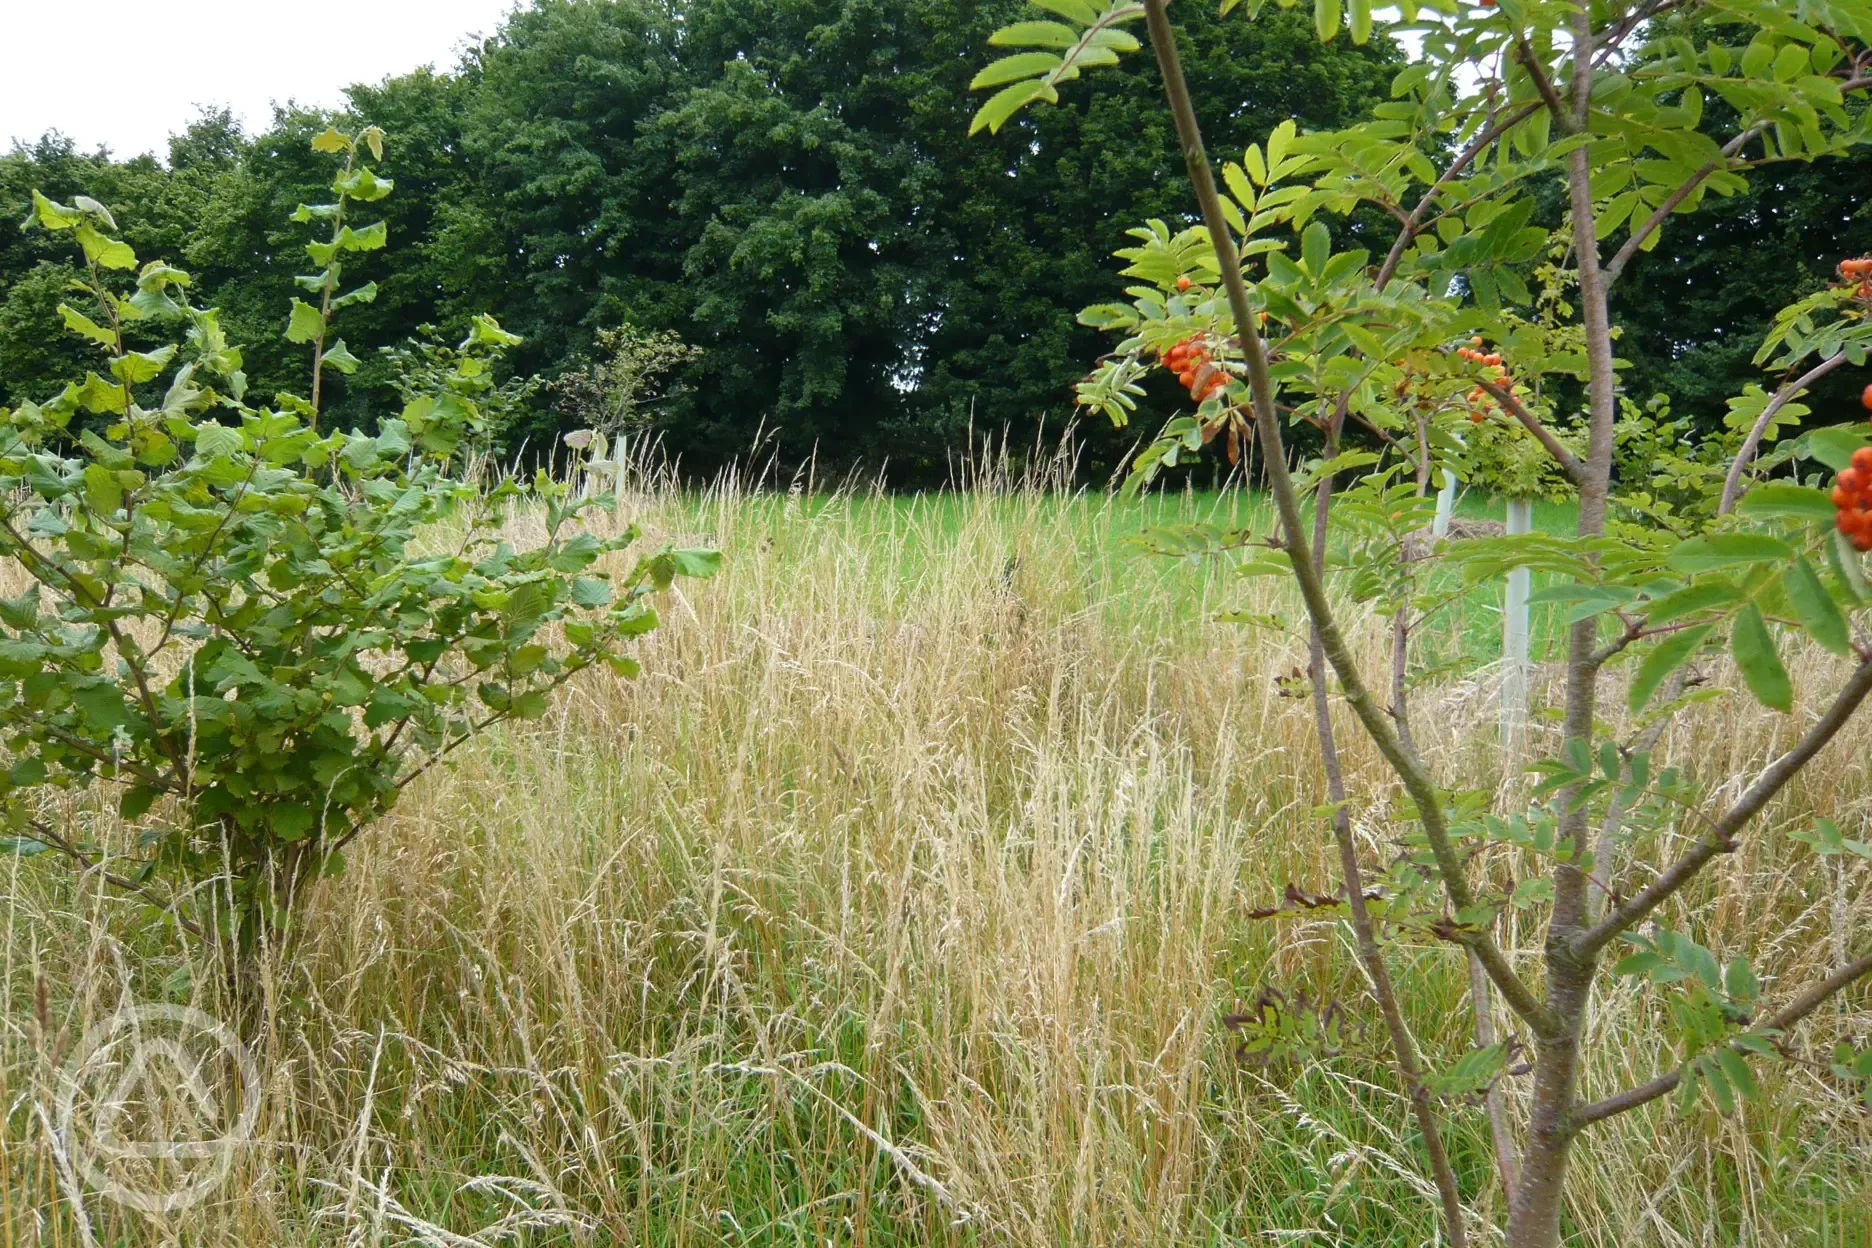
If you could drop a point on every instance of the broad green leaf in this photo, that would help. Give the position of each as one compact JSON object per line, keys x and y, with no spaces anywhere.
{"x":305,"y":325}
{"x":331,"y":139}
{"x":1761,"y":668}
{"x":339,"y":358}
{"x":1663,"y":659}
{"x":696,"y":563}
{"x":53,"y":215}
{"x":367,"y":293}
{"x":22,"y":846}
{"x":1724,"y":550}
{"x":104,"y":251}
{"x":78,"y":322}
{"x":137,"y":367}
{"x":1818,"y":613}
{"x":212,"y":440}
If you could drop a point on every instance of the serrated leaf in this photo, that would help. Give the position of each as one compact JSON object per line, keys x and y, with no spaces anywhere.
{"x":1760,"y":664}
{"x":331,"y":139}
{"x":78,"y":322}
{"x":1818,"y":613}
{"x":305,"y":324}
{"x":1778,"y":498}
{"x":1724,"y":550}
{"x":1080,"y":11}
{"x":1015,"y":68}
{"x":1664,"y":658}
{"x":340,"y":358}
{"x":1691,"y":599}
{"x":1035,"y":35}
{"x":1004,"y":104}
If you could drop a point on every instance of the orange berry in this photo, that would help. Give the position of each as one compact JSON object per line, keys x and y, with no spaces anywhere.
{"x":1184,"y":283}
{"x":1865,"y":398}
{"x":1852,"y":481}
{"x":1476,"y":418}
{"x":1187,"y":378}
{"x":1842,"y":497}
{"x":1862,"y":460}
{"x":1476,"y":341}
{"x":1491,"y":359}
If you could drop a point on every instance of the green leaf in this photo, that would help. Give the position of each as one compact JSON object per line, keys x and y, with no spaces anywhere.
{"x":136,"y":802}
{"x":697,"y":563}
{"x":1015,"y":68}
{"x":1691,"y":599}
{"x":305,"y":325}
{"x":1833,"y":445}
{"x":331,"y":139}
{"x":22,"y":846}
{"x":103,"y":492}
{"x":53,"y":215}
{"x":1736,"y":1070}
{"x":1004,"y":104}
{"x":339,"y":358}
{"x":1035,"y":35}
{"x":78,"y":322}
{"x":104,"y":251}
{"x":1777,"y":498}
{"x":1080,"y":11}
{"x":1723,"y":550}
{"x":1818,"y":613}
{"x":1755,"y":655}
{"x":367,"y":293}
{"x":213,"y":441}
{"x":1327,"y":15}
{"x":1666,"y":657}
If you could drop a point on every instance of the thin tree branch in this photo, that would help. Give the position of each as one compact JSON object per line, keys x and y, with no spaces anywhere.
{"x":1721,"y":838}
{"x":1569,"y":462}
{"x":1544,"y":85}
{"x":43,"y":832}
{"x":1732,"y":484}
{"x":1800,"y":1007}
{"x":1414,"y":224}
{"x":1658,"y":215}
{"x":1417,"y":783}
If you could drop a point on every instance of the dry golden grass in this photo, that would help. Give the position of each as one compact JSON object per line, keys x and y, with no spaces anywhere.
{"x":900,"y":902}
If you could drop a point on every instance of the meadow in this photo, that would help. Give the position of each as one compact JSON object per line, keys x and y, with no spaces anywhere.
{"x":901,"y":901}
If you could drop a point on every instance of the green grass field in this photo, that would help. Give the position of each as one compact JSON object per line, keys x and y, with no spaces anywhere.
{"x":901,"y":902}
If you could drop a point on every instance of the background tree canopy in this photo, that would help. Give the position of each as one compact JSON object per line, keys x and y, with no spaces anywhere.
{"x":790,"y":185}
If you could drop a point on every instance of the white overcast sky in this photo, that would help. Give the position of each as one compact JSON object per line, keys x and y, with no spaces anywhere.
{"x":171,"y":56}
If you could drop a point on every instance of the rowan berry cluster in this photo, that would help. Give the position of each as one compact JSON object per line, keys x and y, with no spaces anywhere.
{"x":1858,"y":270}
{"x":1193,"y":363}
{"x":1852,"y":500}
{"x":1481,"y":402}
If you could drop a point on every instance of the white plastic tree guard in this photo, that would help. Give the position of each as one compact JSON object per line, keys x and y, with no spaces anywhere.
{"x":1445,"y":505}
{"x":1515,"y":618}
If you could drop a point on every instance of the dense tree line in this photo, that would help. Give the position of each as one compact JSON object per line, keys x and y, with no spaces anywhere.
{"x":789,"y":184}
